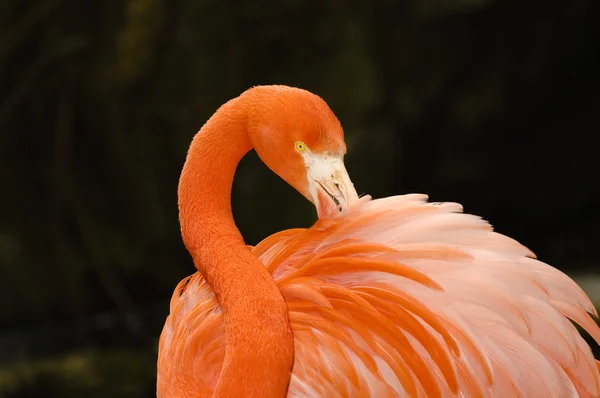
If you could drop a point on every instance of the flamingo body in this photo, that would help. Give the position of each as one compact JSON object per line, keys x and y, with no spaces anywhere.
{"x":401,"y":297}
{"x":380,"y":298}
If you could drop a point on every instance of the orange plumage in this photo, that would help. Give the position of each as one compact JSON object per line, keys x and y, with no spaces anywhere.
{"x":393,"y":297}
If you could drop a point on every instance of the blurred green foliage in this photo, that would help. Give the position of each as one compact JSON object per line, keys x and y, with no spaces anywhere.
{"x":482,"y":102}
{"x":93,"y":374}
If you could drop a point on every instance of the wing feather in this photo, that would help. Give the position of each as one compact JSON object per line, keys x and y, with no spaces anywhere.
{"x":401,"y":297}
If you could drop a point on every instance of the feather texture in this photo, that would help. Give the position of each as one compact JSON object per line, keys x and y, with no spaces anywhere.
{"x":401,"y":297}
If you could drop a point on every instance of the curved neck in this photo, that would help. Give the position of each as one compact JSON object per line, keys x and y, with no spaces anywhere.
{"x":259,"y":341}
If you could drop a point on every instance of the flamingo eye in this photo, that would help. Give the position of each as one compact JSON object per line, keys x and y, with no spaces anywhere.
{"x":300,"y":146}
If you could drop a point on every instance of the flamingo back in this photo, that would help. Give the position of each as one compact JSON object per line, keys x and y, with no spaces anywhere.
{"x":402,"y":297}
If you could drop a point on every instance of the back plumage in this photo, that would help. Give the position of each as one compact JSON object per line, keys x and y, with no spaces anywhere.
{"x":401,"y":297}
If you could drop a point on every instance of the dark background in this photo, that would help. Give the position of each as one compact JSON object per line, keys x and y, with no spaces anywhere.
{"x":493,"y":104}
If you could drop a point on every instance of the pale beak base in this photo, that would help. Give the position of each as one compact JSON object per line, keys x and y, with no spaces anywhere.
{"x":330,"y":186}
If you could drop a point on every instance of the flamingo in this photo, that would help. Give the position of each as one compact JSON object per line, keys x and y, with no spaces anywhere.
{"x":379,"y":298}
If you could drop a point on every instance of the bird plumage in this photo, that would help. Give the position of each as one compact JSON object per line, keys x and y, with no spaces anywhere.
{"x":401,"y":297}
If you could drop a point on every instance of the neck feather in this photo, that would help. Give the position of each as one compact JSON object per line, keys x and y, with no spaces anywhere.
{"x":259,"y":341}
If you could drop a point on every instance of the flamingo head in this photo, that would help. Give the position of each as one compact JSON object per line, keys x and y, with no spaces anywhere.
{"x":296,"y":135}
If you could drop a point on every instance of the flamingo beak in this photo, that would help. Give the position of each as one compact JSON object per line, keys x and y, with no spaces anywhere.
{"x":330,"y":186}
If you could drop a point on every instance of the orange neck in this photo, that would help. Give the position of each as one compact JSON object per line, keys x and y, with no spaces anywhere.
{"x":259,"y":340}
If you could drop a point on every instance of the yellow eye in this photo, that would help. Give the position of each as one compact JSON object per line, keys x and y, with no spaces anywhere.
{"x":300,"y":146}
